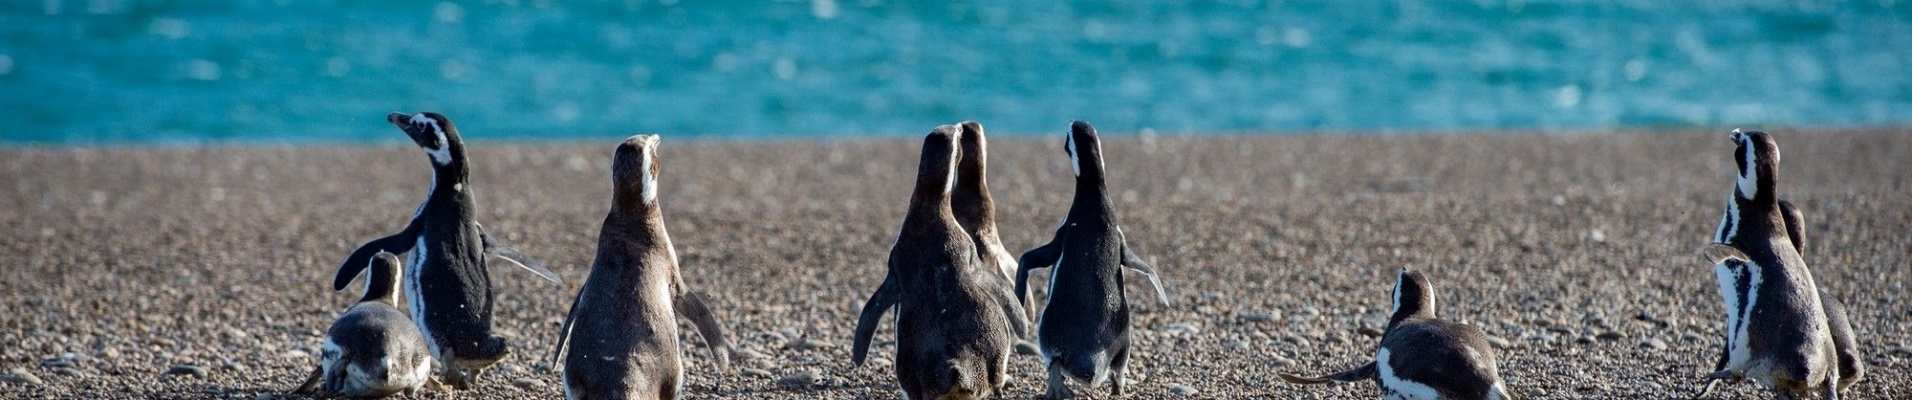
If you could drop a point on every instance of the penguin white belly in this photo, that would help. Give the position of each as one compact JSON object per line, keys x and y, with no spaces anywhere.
{"x":415,"y":298}
{"x":1395,"y":388}
{"x":1740,"y":351}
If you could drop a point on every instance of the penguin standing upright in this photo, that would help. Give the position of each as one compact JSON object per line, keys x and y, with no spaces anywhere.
{"x":372,"y":350}
{"x":622,"y":328}
{"x":1083,"y":331}
{"x":1730,"y":266}
{"x":1777,"y":331}
{"x":1424,"y":357}
{"x":447,"y":286}
{"x":952,"y":338}
{"x":975,"y":210}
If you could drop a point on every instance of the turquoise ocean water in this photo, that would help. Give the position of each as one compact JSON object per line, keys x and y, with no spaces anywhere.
{"x":160,"y":72}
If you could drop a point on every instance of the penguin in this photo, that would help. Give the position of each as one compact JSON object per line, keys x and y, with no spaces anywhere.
{"x":1777,"y":330}
{"x":1083,"y":331}
{"x":1424,"y":357}
{"x":373,"y":350}
{"x":622,"y":327}
{"x":952,"y":340}
{"x":975,"y":210}
{"x":447,"y":286}
{"x":1731,"y":264}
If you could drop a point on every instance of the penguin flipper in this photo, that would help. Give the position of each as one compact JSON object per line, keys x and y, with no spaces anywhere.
{"x":1013,"y":310}
{"x":1852,"y":366}
{"x":501,"y":250}
{"x":1129,"y":259}
{"x":691,"y":305}
{"x":1715,"y":253}
{"x":1361,"y":373}
{"x":1036,"y":258}
{"x":879,"y":303}
{"x":311,"y":380}
{"x":397,"y":243}
{"x":564,"y":331}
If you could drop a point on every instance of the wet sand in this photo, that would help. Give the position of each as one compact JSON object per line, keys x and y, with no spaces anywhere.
{"x":1578,"y":251}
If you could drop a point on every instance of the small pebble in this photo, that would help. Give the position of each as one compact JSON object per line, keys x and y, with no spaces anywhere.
{"x":1368,"y":331}
{"x":21,"y":376}
{"x":756,"y":373}
{"x":1183,"y":328}
{"x":264,"y":396}
{"x":1499,"y":342}
{"x":748,"y":354}
{"x":1611,"y":335}
{"x":1235,"y":345}
{"x":1265,"y":316}
{"x":1183,"y":390}
{"x":526,"y":383}
{"x":1596,"y":236}
{"x":810,"y":343}
{"x":187,"y":369}
{"x":800,"y":380}
{"x":1281,"y":362}
{"x":1027,"y":348}
{"x":1653,"y":343}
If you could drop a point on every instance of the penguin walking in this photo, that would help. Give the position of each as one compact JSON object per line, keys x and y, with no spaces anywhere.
{"x":1424,"y":357}
{"x":622,"y":327}
{"x":952,"y":338}
{"x":975,"y":210}
{"x":447,"y":286}
{"x":1777,"y":327}
{"x":373,"y":350}
{"x":1083,"y":332}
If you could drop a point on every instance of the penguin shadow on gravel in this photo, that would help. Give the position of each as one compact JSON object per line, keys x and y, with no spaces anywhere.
{"x":1422,"y":356}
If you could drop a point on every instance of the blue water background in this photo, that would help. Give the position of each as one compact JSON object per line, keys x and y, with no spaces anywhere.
{"x":130,"y":71}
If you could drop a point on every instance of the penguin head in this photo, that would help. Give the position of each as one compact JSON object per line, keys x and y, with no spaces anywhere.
{"x":432,"y":132}
{"x":936,"y":173}
{"x":382,"y":282}
{"x":634,"y":170}
{"x":1413,"y":297}
{"x":1084,"y":149}
{"x":974,"y":149}
{"x":1756,"y":157}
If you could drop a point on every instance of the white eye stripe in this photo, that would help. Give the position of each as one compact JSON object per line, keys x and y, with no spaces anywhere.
{"x":1748,"y":181}
{"x":650,"y":177}
{"x":1075,"y":157}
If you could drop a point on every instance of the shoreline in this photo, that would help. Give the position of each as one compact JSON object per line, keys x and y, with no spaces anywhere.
{"x":1276,"y":250}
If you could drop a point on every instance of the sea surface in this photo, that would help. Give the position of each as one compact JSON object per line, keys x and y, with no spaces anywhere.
{"x":295,"y":71}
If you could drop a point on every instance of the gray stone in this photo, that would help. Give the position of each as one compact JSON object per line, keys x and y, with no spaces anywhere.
{"x":800,"y":380}
{"x":1611,"y":335}
{"x":1183,"y":328}
{"x":526,"y":383}
{"x":1265,"y":316}
{"x":1653,"y":343}
{"x":186,"y":369}
{"x":756,"y":373}
{"x":21,"y":376}
{"x":1499,"y":342}
{"x":1183,"y":390}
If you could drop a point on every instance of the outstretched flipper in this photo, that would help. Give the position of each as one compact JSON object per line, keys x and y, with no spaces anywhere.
{"x":311,"y":380}
{"x":501,"y":250}
{"x":564,"y":331}
{"x":1040,"y":257}
{"x":1129,"y":259}
{"x":397,"y":243}
{"x":879,"y":303}
{"x":1361,"y":373}
{"x":691,"y":305}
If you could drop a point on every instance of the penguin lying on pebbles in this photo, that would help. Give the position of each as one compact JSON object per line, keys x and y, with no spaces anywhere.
{"x":622,"y":327}
{"x":1781,"y":329}
{"x":952,"y":337}
{"x":1424,"y":357}
{"x":372,"y":350}
{"x":1083,"y":332}
{"x":975,"y":210}
{"x":447,"y":286}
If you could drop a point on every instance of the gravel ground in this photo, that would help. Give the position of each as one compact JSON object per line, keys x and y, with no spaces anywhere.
{"x":204,"y":272}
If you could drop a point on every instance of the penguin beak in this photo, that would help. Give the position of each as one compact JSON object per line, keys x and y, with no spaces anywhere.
{"x":420,"y":134}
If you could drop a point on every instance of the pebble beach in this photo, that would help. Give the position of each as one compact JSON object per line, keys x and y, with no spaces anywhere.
{"x":204,"y":272}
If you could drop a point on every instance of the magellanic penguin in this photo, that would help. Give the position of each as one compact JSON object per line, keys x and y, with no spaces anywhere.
{"x":952,"y":338}
{"x":1776,"y":331}
{"x":1729,"y":264}
{"x":373,"y":350}
{"x":447,"y":286}
{"x":1083,"y":332}
{"x":975,"y":210}
{"x":622,"y":327}
{"x":1424,"y":357}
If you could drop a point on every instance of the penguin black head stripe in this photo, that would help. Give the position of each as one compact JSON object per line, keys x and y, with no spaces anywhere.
{"x":432,"y":132}
{"x":642,"y":173}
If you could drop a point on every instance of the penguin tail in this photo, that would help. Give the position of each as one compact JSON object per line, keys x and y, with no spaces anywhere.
{"x":960,"y":383}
